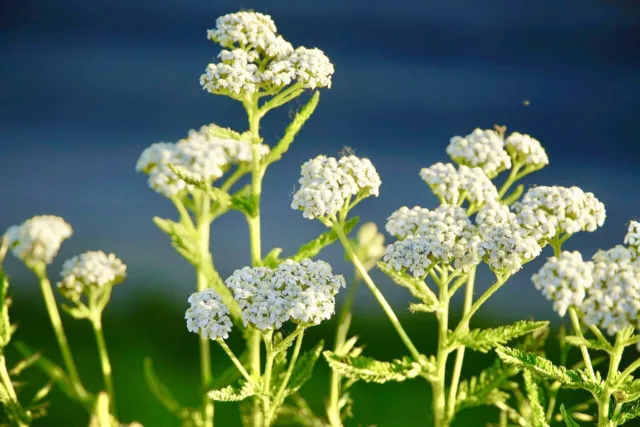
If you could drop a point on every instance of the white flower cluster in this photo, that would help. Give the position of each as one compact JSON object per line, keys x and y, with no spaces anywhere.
{"x":443,"y":236}
{"x":260,"y":58}
{"x":505,"y":245}
{"x":207,"y":315}
{"x":547,"y":211}
{"x":481,"y":148}
{"x":303,"y":292}
{"x":632,"y":238}
{"x":421,"y":221}
{"x":201,"y":155}
{"x":526,"y":150}
{"x":613,"y":301}
{"x":564,"y":280}
{"x":453,"y":185}
{"x":37,"y":240}
{"x":93,"y":269}
{"x":327,"y":184}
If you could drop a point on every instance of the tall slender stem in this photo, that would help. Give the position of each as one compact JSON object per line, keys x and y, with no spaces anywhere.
{"x":105,"y":364}
{"x":376,"y":292}
{"x":344,"y":321}
{"x":439,"y":386}
{"x":583,"y":348}
{"x":203,"y":231}
{"x":500,"y":280}
{"x":605,"y":398}
{"x":279,"y":398}
{"x":61,"y":337}
{"x":457,"y":367}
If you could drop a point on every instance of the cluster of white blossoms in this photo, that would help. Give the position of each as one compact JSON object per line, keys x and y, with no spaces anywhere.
{"x":613,"y":300}
{"x":633,"y":235}
{"x":201,"y":155}
{"x":207,"y":315}
{"x":481,"y":148}
{"x":444,"y":236}
{"x":259,"y":58}
{"x":505,"y":244}
{"x":302,"y":292}
{"x":327,"y":184}
{"x":93,"y":269}
{"x":547,"y":211}
{"x":564,"y":280}
{"x":452,"y":186}
{"x":526,"y":150}
{"x":37,"y":240}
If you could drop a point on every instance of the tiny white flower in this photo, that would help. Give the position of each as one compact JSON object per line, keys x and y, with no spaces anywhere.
{"x":312,"y":67}
{"x":564,"y":280}
{"x":38,"y":239}
{"x":481,"y":148}
{"x":92,"y":269}
{"x":327,"y":184}
{"x":208,"y":316}
{"x":633,"y":235}
{"x":453,"y":186}
{"x":527,"y":150}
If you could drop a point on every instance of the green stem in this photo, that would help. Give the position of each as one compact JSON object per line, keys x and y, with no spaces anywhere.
{"x":583,"y":348}
{"x":376,"y":292}
{"x":344,"y":321}
{"x":605,"y":399}
{"x":105,"y":364}
{"x":457,"y":367}
{"x":438,"y":385}
{"x":279,"y":398}
{"x":513,"y":174}
{"x":61,"y":337}
{"x":266,"y":408}
{"x":630,"y":369}
{"x":235,"y":360}
{"x":483,"y":298}
{"x":203,"y":231}
{"x":14,"y":411}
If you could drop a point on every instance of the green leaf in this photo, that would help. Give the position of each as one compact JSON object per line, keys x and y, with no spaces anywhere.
{"x":567,"y":418}
{"x":292,"y":130}
{"x":24,"y":364}
{"x":182,"y":239}
{"x":416,"y":286}
{"x":538,"y":418}
{"x":162,"y":393}
{"x":569,"y":378}
{"x":303,"y":369}
{"x":425,"y":308}
{"x":483,"y":340}
{"x":221,"y":197}
{"x":484,"y":389}
{"x":371,"y":370}
{"x":313,"y":248}
{"x":216,"y":131}
{"x":272,"y":259}
{"x":232,"y":394}
{"x":6,"y":330}
{"x":630,"y":411}
{"x":43,"y":392}
{"x":592,"y":344}
{"x":244,"y":202}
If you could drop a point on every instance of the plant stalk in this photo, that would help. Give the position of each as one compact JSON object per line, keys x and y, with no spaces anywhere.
{"x":279,"y":398}
{"x":439,"y":386}
{"x":605,"y":399}
{"x":105,"y":364}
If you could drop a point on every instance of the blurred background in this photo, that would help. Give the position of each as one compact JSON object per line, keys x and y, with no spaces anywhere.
{"x":85,"y":86}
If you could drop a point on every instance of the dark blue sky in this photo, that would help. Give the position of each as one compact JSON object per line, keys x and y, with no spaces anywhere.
{"x":86,"y":86}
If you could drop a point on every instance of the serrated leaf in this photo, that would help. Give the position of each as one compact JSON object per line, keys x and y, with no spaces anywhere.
{"x":244,"y":202}
{"x":232,"y":393}
{"x":569,"y":378}
{"x":567,"y":418}
{"x":484,"y":389}
{"x":629,"y":411}
{"x":483,"y":340}
{"x":370,"y":370}
{"x":292,"y":130}
{"x":424,"y":308}
{"x":416,"y":286}
{"x":589,"y":343}
{"x":538,"y":418}
{"x":303,"y":369}
{"x":216,"y":131}
{"x":181,"y":238}
{"x":313,"y":248}
{"x":221,"y":197}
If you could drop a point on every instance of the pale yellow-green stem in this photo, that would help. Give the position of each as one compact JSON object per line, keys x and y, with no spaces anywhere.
{"x":61,"y":337}
{"x":604,"y":401}
{"x":583,"y":348}
{"x":105,"y":364}
{"x":457,"y":367}
{"x":376,"y":292}
{"x":438,"y":385}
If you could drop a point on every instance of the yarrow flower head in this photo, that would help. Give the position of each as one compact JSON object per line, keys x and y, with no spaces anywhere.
{"x":613,"y":301}
{"x":564,"y":280}
{"x":207,"y":315}
{"x":632,"y":238}
{"x":547,"y":211}
{"x":526,"y":150}
{"x":445,"y":236}
{"x":505,"y":245}
{"x":302,"y":292}
{"x":37,"y":240}
{"x":481,"y":148}
{"x":200,"y":155}
{"x":256,"y":58}
{"x":328,"y":184}
{"x":90,"y":270}
{"x":453,"y":186}
{"x":421,"y":221}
